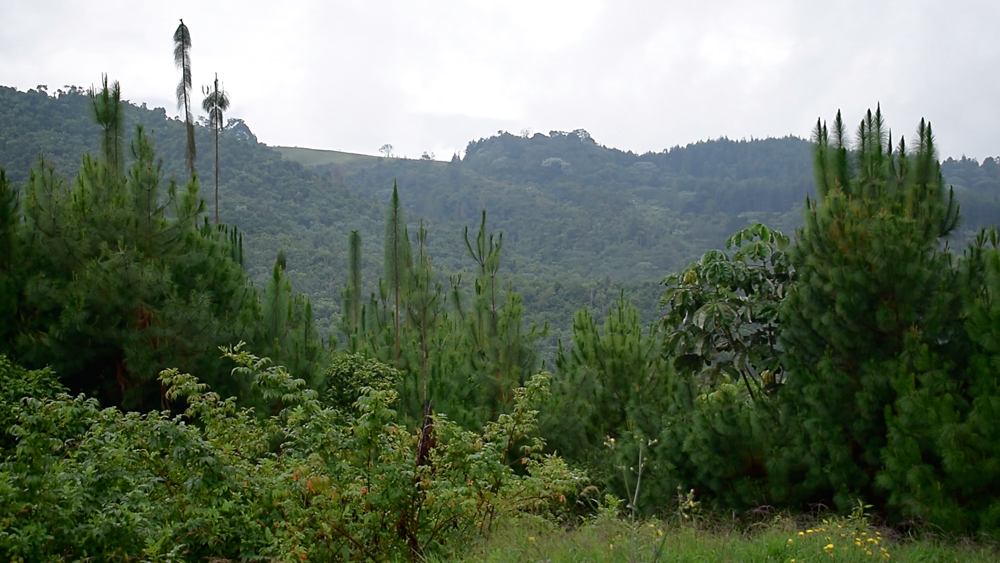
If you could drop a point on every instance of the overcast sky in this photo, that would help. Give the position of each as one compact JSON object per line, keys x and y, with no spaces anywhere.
{"x":433,"y":75}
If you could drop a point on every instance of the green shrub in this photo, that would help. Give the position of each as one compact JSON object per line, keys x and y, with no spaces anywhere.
{"x":348,"y":374}
{"x":17,"y":383}
{"x":86,"y":483}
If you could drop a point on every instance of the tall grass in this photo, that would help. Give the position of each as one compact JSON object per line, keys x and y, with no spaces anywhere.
{"x":779,"y":538}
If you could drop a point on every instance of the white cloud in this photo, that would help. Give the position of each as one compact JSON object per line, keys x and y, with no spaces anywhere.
{"x":432,"y":75}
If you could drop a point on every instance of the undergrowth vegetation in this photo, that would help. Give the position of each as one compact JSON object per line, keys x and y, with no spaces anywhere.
{"x":763,"y":537}
{"x":311,"y":482}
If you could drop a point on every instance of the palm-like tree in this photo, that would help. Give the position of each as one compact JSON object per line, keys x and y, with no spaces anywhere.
{"x":182,"y":58}
{"x":216,"y":102}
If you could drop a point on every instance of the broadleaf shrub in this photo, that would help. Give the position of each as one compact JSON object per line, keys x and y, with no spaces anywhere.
{"x":16,"y":384}
{"x":90,"y":483}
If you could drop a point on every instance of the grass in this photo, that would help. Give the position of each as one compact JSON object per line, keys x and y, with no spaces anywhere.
{"x":316,"y":157}
{"x":781,"y":539}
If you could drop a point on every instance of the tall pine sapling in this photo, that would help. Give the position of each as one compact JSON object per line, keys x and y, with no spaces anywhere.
{"x":108,"y":110}
{"x":873,"y":279}
{"x":10,"y":285}
{"x":423,"y":306}
{"x":396,"y":263}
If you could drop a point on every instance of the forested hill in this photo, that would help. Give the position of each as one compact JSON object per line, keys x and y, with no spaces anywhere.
{"x":581,"y":221}
{"x":568,"y":206}
{"x":278,"y":204}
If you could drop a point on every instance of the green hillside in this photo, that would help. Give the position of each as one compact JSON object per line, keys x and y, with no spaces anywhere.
{"x":278,"y":204}
{"x":317,"y":157}
{"x":581,"y":221}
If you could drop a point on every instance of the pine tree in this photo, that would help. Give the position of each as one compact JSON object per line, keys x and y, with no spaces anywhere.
{"x":396,"y":263}
{"x":500,"y":352}
{"x":108,"y":111}
{"x":613,"y":377}
{"x":942,"y":457}
{"x":276,"y":306}
{"x":123,"y":281}
{"x":872,"y":272}
{"x":352,"y":302}
{"x":288,"y":335}
{"x":423,"y":307}
{"x":462,"y":355}
{"x":10,"y":280}
{"x":9,"y":221}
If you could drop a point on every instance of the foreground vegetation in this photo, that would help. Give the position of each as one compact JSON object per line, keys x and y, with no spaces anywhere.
{"x":322,"y":479}
{"x":775,"y":539}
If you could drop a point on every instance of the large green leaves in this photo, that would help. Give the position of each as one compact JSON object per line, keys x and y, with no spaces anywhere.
{"x":722,"y":311}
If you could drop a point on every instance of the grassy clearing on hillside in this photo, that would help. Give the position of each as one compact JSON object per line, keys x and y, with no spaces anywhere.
{"x":316,"y":157}
{"x":782,"y":539}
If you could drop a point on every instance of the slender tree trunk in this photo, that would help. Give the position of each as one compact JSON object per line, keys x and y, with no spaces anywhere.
{"x":354,"y":275}
{"x":395,"y":328}
{"x":396,"y":261}
{"x":217,"y":169}
{"x":423,"y":345}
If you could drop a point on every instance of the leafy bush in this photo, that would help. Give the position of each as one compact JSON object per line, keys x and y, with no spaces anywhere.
{"x":17,"y":383}
{"x":87,"y":483}
{"x":348,"y":374}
